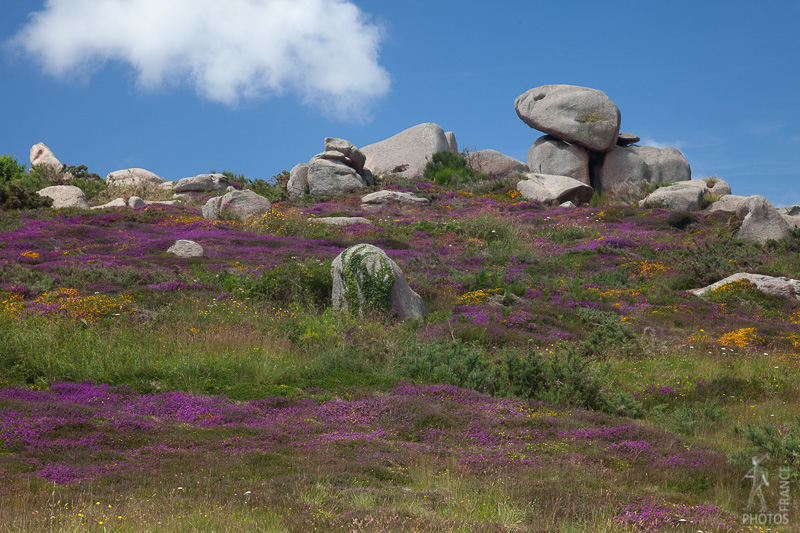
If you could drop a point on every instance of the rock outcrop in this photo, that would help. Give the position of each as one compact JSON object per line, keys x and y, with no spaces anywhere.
{"x":236,"y":204}
{"x":763,"y":222}
{"x":549,"y":155}
{"x":782,"y":287}
{"x":407,"y":152}
{"x":364,"y":277}
{"x":65,"y":196}
{"x":493,"y":163}
{"x":332,"y":178}
{"x":451,"y":141}
{"x":554,"y":190}
{"x":133,"y":177}
{"x":732,"y":203}
{"x":578,"y":115}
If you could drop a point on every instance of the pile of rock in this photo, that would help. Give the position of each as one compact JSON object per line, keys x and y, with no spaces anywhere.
{"x":583,"y":141}
{"x":339,"y":170}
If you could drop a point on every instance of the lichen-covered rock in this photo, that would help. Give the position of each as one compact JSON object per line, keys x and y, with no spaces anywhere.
{"x":379,"y":199}
{"x":65,"y":196}
{"x":202,"y":183}
{"x":186,"y":249}
{"x":236,"y":204}
{"x":763,"y":222}
{"x":549,"y":155}
{"x":554,"y":190}
{"x":364,"y":277}
{"x":578,"y":115}
{"x":494,"y":163}
{"x":408,"y":152}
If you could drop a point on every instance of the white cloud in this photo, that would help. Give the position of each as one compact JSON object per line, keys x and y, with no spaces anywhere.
{"x":325,"y":50}
{"x":649,"y":141}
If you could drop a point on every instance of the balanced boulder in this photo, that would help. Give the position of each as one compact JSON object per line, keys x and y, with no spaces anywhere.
{"x":633,"y":165}
{"x":493,"y":163}
{"x":65,"y":196}
{"x":763,"y":222}
{"x":554,"y":190}
{"x":347,"y":149}
{"x":578,"y":115}
{"x":549,"y":155}
{"x":627,"y":139}
{"x":364,"y":277}
{"x":408,"y":152}
{"x":236,"y":204}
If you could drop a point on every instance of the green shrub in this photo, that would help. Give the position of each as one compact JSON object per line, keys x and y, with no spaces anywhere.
{"x":562,"y":377}
{"x":447,"y":168}
{"x":10,"y":170}
{"x":607,"y":332}
{"x":782,"y":443}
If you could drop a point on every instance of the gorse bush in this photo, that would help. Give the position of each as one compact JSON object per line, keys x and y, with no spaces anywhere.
{"x":10,"y":169}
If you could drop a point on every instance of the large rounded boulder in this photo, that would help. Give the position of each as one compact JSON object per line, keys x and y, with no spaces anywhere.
{"x":408,"y":152}
{"x":65,"y":196}
{"x":364,"y":277}
{"x":549,"y":155}
{"x":554,"y":190}
{"x":632,"y":165}
{"x":240,"y":205}
{"x":578,"y":115}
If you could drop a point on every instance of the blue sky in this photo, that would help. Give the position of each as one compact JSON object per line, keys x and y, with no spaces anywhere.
{"x":181,"y":87}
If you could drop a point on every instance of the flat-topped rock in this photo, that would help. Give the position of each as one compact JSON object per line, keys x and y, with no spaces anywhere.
{"x":377,"y":200}
{"x":340,"y":221}
{"x":782,"y":287}
{"x":579,"y":115}
{"x":133,"y":177}
{"x":682,"y":196}
{"x":65,"y":196}
{"x":627,"y":139}
{"x":119,"y":202}
{"x":732,"y":203}
{"x":554,"y":190}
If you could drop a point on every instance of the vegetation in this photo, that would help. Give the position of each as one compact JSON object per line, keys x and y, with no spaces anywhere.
{"x":564,"y":380}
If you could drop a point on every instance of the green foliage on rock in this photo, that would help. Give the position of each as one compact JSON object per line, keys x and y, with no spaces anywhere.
{"x":449,"y":169}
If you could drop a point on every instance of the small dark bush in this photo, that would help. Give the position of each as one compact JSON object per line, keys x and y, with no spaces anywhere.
{"x":15,"y":196}
{"x":681,"y":219}
{"x":10,"y":170}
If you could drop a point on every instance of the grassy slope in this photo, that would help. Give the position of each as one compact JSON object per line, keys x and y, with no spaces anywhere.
{"x":581,"y":308}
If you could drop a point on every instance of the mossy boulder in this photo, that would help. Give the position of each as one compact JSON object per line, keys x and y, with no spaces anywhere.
{"x":364,"y":277}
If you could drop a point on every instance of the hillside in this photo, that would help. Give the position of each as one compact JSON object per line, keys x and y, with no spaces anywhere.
{"x":564,"y":378}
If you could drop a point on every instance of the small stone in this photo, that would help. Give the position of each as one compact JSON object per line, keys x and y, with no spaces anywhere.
{"x":186,"y":249}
